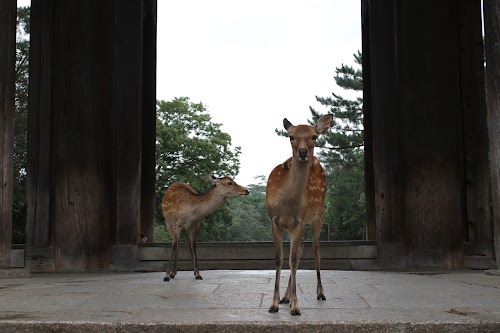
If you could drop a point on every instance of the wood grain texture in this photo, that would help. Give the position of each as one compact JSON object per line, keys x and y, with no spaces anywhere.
{"x":492,"y":48}
{"x":7,"y":109}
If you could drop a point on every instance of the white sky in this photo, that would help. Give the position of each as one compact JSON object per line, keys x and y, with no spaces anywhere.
{"x":253,"y":63}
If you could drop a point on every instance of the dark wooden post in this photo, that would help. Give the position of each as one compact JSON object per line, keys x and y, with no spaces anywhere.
{"x":134,"y":115}
{"x":427,"y":112}
{"x":431,"y":133}
{"x":39,"y":226}
{"x":89,"y":75}
{"x":127,"y":120}
{"x":475,"y":135}
{"x":370,"y":226}
{"x":379,"y":27}
{"x":492,"y":48}
{"x":8,"y":13}
{"x":148,"y":120}
{"x":81,"y":134}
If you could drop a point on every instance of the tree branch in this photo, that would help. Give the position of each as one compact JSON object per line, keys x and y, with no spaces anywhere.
{"x":345,"y":147}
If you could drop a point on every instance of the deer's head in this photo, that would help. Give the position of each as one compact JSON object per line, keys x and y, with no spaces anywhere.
{"x":303,"y":137}
{"x":227,"y":187}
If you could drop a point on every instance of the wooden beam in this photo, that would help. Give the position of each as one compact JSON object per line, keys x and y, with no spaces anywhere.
{"x":8,"y":14}
{"x":492,"y":48}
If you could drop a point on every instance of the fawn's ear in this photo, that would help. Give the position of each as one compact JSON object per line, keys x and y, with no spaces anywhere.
{"x":287,"y":124}
{"x":211,"y":179}
{"x":324,"y":123}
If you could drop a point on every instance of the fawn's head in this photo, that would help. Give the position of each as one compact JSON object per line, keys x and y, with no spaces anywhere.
{"x":227,"y":187}
{"x":303,"y":137}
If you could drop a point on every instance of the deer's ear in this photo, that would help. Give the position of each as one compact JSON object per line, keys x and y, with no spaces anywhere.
{"x":287,"y":124}
{"x":324,"y":123}
{"x":211,"y":179}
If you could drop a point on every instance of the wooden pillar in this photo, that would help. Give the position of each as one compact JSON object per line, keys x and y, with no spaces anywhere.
{"x":492,"y":48}
{"x":380,"y":29}
{"x":127,"y":120}
{"x":148,"y":120}
{"x":431,"y":133}
{"x":81,"y":134}
{"x":475,"y":133}
{"x":370,"y":224}
{"x":8,"y":13}
{"x":427,"y":113}
{"x":39,"y":226}
{"x":89,"y":76}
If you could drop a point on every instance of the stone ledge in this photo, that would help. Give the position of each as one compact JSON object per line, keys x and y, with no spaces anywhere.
{"x":244,"y":327}
{"x":14,"y":274}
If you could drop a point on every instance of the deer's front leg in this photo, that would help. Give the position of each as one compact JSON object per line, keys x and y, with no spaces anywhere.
{"x":295,"y":254}
{"x":286,"y":298}
{"x":191,"y":238}
{"x":278,"y":247}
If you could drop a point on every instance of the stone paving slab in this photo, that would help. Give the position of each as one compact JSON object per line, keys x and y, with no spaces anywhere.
{"x":237,"y":301}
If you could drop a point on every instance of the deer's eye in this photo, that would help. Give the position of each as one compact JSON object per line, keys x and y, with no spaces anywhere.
{"x":291,"y":138}
{"x":229,"y":183}
{"x":314,"y":137}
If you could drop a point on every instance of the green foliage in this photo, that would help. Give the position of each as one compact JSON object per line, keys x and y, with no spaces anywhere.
{"x":251,"y":222}
{"x":161,"y":234}
{"x":20,"y":126}
{"x":343,"y":158}
{"x":345,"y":201}
{"x":188,"y":146}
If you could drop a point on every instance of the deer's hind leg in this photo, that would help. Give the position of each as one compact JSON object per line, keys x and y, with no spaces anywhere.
{"x":172,"y":270}
{"x":316,"y":230}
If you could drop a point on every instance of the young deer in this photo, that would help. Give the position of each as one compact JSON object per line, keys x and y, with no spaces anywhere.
{"x":295,"y":195}
{"x":183,"y":210}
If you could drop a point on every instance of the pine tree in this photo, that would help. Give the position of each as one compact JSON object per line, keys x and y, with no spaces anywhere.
{"x":345,"y":139}
{"x":342,"y":156}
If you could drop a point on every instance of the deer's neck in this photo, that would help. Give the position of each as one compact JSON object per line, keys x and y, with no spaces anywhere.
{"x":296,"y":182}
{"x":207,"y":203}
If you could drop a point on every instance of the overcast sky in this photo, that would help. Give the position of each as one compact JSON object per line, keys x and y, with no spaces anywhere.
{"x":253,"y":63}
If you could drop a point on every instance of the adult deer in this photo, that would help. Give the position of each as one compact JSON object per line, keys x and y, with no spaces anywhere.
{"x":295,"y":195}
{"x":183,"y":209}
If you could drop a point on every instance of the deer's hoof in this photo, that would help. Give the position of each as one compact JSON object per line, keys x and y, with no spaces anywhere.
{"x":295,"y":312}
{"x":273,"y":309}
{"x":166,"y":278}
{"x":199,"y":277}
{"x":285,"y":300}
{"x":322,"y":297}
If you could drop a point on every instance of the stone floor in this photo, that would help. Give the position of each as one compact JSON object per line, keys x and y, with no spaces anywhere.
{"x":238,"y":301}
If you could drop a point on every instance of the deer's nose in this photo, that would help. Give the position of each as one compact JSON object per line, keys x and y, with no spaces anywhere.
{"x":303,"y":152}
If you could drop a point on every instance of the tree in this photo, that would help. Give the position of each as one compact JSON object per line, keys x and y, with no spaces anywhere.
{"x":343,"y":157}
{"x":251,"y":222}
{"x":188,"y":146}
{"x":20,"y":126}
